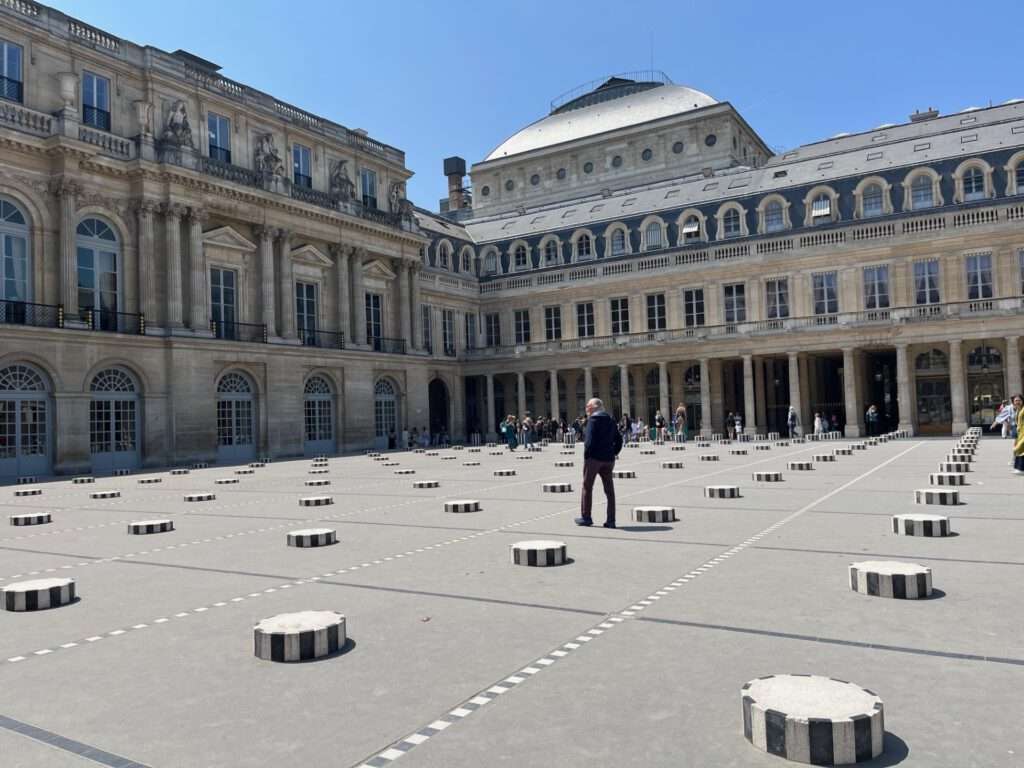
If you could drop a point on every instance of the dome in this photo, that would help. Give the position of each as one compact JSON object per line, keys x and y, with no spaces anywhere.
{"x":614,"y":105}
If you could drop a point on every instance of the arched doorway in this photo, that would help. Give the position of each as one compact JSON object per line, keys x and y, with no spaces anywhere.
{"x":318,"y":416}
{"x":99,"y":267}
{"x":385,"y":414}
{"x":437,"y":394}
{"x":114,"y":421}
{"x":985,"y":384}
{"x":934,"y":404}
{"x":236,"y":418}
{"x":25,"y":426}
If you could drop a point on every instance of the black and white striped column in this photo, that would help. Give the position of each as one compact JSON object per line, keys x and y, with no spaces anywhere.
{"x":721,"y":492}
{"x":37,"y":595}
{"x":316,"y":501}
{"x":947,"y":478}
{"x":941,"y":496}
{"x":32,"y":518}
{"x":299,"y":636}
{"x":245,"y":471}
{"x":462,"y":505}
{"x":672,"y":464}
{"x":654,"y":514}
{"x":226,"y":481}
{"x":921,"y":525}
{"x":768,"y":477}
{"x":891,"y":578}
{"x":557,"y":488}
{"x":824,"y":457}
{"x":538,"y":553}
{"x":504,"y":473}
{"x":426,"y":484}
{"x":82,"y":480}
{"x":149,"y":480}
{"x":317,"y":482}
{"x":800,"y":466}
{"x":28,"y":491}
{"x":312,"y":537}
{"x":709,"y":457}
{"x":405,"y":471}
{"x":624,"y":474}
{"x":105,"y":495}
{"x":200,"y":497}
{"x":143,"y":527}
{"x":958,"y":467}
{"x":179,"y":471}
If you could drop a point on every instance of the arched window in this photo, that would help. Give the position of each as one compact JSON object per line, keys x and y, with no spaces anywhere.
{"x":691,"y":230}
{"x":318,"y":412}
{"x":652,"y":236}
{"x":731,"y":223}
{"x":113,"y":420}
{"x":236,"y":425}
{"x":15,"y":271}
{"x":99,"y":283}
{"x":442,"y":256}
{"x":385,"y":409}
{"x":21,"y":378}
{"x":583,"y":247}
{"x":520,"y":257}
{"x":551,"y":252}
{"x":934,"y":360}
{"x":1019,"y":177}
{"x":234,"y":383}
{"x":821,"y":209}
{"x":921,"y":193}
{"x":974,"y":184}
{"x":618,"y":243}
{"x":871,"y":201}
{"x":774,"y":218}
{"x":491,"y":262}
{"x":24,"y":422}
{"x":467,"y":260}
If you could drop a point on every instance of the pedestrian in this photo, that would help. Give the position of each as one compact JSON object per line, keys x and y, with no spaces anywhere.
{"x":1018,"y":443}
{"x":508,"y":431}
{"x":680,"y":423}
{"x":601,"y":446}
{"x":739,"y":424}
{"x":792,"y":421}
{"x":819,"y":426}
{"x":730,"y":425}
{"x":1007,"y":417}
{"x":659,"y":425}
{"x":871,"y":420}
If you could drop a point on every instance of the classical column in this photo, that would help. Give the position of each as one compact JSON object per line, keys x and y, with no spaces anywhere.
{"x":588,"y":384}
{"x":750,"y":414}
{"x":556,"y":412}
{"x":404,"y":318}
{"x":956,"y":387}
{"x":358,"y":298}
{"x":341,"y":256}
{"x":903,"y":398}
{"x":172,"y":225}
{"x":492,"y":424}
{"x":521,"y":394}
{"x":759,"y":393}
{"x":705,"y":400}
{"x":147,"y":262}
{"x":794,"y":387}
{"x":416,"y":334}
{"x":287,"y":284}
{"x":1013,"y":385}
{"x":624,"y":390}
{"x":67,"y":192}
{"x":265,"y":237}
{"x":663,"y":391}
{"x":851,"y":392}
{"x":199,"y":317}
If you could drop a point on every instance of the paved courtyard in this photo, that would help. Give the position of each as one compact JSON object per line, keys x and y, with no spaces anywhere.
{"x":632,"y":654}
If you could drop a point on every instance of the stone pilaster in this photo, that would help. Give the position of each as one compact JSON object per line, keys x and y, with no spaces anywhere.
{"x":199,"y":302}
{"x":358,"y":298}
{"x":67,"y":192}
{"x":556,"y":411}
{"x":705,"y":400}
{"x":1013,"y":385}
{"x":173,"y":213}
{"x":404,"y":315}
{"x":490,"y":430}
{"x":265,"y":239}
{"x":663,"y":391}
{"x":341,"y":267}
{"x":287,"y":284}
{"x":147,"y":263}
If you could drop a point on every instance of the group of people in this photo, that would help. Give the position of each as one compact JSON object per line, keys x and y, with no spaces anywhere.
{"x":528,"y":431}
{"x":1010,"y":420}
{"x":632,"y":430}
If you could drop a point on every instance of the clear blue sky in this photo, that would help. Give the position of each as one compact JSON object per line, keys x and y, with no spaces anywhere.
{"x":456,"y":78}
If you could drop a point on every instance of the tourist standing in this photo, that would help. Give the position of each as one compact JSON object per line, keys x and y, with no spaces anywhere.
{"x":680,"y":423}
{"x":730,"y":425}
{"x":871,"y":420}
{"x":508,"y":430}
{"x":1018,"y":443}
{"x":659,"y":425}
{"x":738,"y":417}
{"x":819,"y":426}
{"x":792,"y":422}
{"x":601,"y":446}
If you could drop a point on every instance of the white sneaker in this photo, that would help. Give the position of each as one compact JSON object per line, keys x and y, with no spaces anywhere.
{"x":1018,"y":471}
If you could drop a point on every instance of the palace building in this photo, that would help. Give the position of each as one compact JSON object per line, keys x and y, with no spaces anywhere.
{"x":193,"y":269}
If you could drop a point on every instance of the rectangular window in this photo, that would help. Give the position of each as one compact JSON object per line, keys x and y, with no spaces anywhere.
{"x":302,"y":164}
{"x":96,"y":101}
{"x":492,"y":330}
{"x":12,"y":86}
{"x":552,"y":323}
{"x":776,"y":294}
{"x":926,"y":282}
{"x":448,"y":331}
{"x":522,"y":326}
{"x":470,"y":330}
{"x":826,"y":293}
{"x":876,"y":287}
{"x":219,"y":129}
{"x":872,"y":201}
{"x":585,"y":320}
{"x":693,"y":307}
{"x":656,"y":317}
{"x":223,"y":302}
{"x":735,"y":303}
{"x":620,"y":316}
{"x":374,"y":318}
{"x":1020,"y":269}
{"x":979,"y":276}
{"x":427,"y":328}
{"x":368,"y":187}
{"x":305,"y":312}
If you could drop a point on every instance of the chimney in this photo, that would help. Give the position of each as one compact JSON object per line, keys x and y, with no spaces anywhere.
{"x":930,"y":114}
{"x":455,"y":169}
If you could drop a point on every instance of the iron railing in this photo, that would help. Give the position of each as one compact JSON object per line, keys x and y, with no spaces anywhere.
{"x":391,"y":346}
{"x":96,"y":117}
{"x":27,"y":313}
{"x":249,"y":332}
{"x":311,"y":337}
{"x":220,"y":154}
{"x":114,"y":322}
{"x":302,"y":180}
{"x":12,"y":90}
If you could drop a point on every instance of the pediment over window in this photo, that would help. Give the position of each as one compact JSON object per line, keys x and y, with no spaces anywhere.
{"x":310,"y":254}
{"x":379,"y":270}
{"x":227,"y":237}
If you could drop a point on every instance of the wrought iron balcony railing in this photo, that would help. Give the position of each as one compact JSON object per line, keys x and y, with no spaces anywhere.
{"x":311,"y":337}
{"x":114,"y":322}
{"x":391,"y":346}
{"x":96,"y":117}
{"x":27,"y":313}
{"x":249,"y":332}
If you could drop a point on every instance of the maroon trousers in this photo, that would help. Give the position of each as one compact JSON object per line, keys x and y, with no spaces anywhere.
{"x":591,"y":469}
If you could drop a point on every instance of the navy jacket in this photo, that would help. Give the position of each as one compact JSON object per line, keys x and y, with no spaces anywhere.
{"x":602,"y":440}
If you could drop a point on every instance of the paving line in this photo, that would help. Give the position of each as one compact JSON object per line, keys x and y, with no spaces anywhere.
{"x":404,"y":745}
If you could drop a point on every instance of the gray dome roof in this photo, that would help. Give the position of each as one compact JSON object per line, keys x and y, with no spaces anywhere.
{"x":631,"y":109}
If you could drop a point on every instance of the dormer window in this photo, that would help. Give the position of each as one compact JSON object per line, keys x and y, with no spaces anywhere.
{"x":731,"y":223}
{"x":774,"y":220}
{"x":872,"y":201}
{"x":550,"y":252}
{"x":583,"y":247}
{"x":652,"y":236}
{"x":691,"y":230}
{"x":821,"y":209}
{"x":520,"y":257}
{"x":974,"y":185}
{"x":442,"y":257}
{"x":921,"y":193}
{"x":618,"y":243}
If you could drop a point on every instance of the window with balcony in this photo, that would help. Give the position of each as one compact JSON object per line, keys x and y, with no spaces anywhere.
{"x":731,"y":223}
{"x":96,"y":101}
{"x":979,"y":276}
{"x":448,"y":331}
{"x":305,"y":313}
{"x":693,"y":307}
{"x":219,"y":130}
{"x":774,"y":217}
{"x":826,"y":293}
{"x":691,"y":230}
{"x":585,"y":320}
{"x":15,"y":264}
{"x":776,"y":294}
{"x":12,"y":86}
{"x":374,"y":318}
{"x":470,"y":331}
{"x":521,"y":323}
{"x":492,"y":329}
{"x":583,"y":247}
{"x":550,"y":252}
{"x":876,"y":287}
{"x":735,"y":303}
{"x":974,"y":185}
{"x":427,"y":328}
{"x":618,"y":243}
{"x":656,"y":317}
{"x":368,"y":187}
{"x":926,"y":282}
{"x":620,"y":316}
{"x":872,"y":201}
{"x":652,"y":237}
{"x":302,"y":166}
{"x":223,"y":302}
{"x":922,"y":194}
{"x":552,"y":323}
{"x":521,"y":261}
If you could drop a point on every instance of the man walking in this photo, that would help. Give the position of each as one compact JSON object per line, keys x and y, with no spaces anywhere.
{"x":601,"y":445}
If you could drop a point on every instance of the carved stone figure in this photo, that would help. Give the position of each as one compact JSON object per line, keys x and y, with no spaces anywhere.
{"x":178,"y":131}
{"x":341,"y":185}
{"x":266,"y":159}
{"x":395,"y":196}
